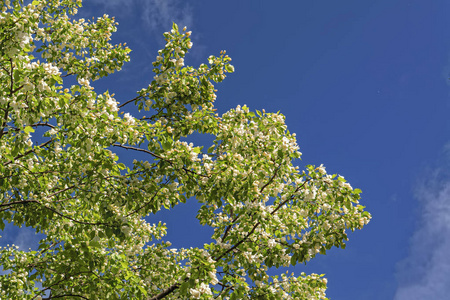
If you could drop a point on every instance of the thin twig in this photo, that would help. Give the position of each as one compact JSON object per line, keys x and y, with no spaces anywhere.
{"x":129,"y":101}
{"x":158,"y":156}
{"x":27,"y":152}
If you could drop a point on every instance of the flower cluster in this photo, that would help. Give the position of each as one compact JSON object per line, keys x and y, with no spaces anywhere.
{"x":62,"y":173}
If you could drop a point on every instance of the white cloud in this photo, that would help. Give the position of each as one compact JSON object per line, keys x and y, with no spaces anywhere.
{"x":156,"y":15}
{"x":159,"y":14}
{"x":425,"y":273}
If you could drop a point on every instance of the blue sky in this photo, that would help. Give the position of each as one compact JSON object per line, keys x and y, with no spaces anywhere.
{"x":364,"y":84}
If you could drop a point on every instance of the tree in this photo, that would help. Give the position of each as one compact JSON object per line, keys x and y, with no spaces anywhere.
{"x":70,"y":185}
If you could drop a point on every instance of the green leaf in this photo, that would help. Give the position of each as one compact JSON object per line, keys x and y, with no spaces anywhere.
{"x":280,"y":153}
{"x":143,"y":291}
{"x":57,"y":78}
{"x":175,"y":27}
{"x":184,"y":286}
{"x":16,"y":75}
{"x":229,"y":68}
{"x":197,"y":149}
{"x":167,"y":145}
{"x":294,"y":259}
{"x":28,"y":129}
{"x":95,"y":244}
{"x":348,"y":204}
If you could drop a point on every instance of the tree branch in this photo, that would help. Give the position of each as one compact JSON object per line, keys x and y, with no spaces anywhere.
{"x":28,"y":152}
{"x":166,"y":292}
{"x":129,"y":101}
{"x":7,"y":205}
{"x":177,"y":285}
{"x":271,"y":179}
{"x":66,"y":295}
{"x":159,"y":157}
{"x":258,"y":223}
{"x":11,"y":77}
{"x":145,"y":204}
{"x":227,"y":230}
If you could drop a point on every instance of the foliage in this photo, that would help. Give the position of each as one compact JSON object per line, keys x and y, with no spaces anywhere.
{"x":92,"y":209}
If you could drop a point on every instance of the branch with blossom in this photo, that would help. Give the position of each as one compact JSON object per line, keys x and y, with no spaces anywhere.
{"x":72,"y":186}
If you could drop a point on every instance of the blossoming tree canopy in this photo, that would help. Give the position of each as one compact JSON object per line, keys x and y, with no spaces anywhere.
{"x":91,"y":209}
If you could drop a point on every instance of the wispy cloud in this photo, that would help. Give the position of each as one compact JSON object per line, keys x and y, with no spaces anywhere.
{"x":159,"y":14}
{"x":425,"y":273}
{"x":156,"y":15}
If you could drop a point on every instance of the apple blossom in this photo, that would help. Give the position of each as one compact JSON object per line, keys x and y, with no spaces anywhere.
{"x":61,"y":173}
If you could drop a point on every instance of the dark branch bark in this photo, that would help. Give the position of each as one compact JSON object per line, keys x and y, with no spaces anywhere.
{"x":175,"y":286}
{"x":145,"y":204}
{"x":157,"y":156}
{"x":65,"y":295}
{"x":166,"y":292}
{"x":8,"y":205}
{"x":129,"y":101}
{"x":258,"y":223}
{"x":227,"y":230}
{"x":28,"y":152}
